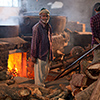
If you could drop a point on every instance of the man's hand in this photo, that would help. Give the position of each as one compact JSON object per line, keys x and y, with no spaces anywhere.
{"x":33,"y":59}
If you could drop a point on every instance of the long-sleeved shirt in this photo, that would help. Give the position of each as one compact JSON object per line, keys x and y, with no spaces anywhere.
{"x":41,"y":44}
{"x":95,"y":27}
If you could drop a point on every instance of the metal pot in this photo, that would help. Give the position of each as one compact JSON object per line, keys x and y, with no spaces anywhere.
{"x":9,"y":31}
{"x":58,"y":24}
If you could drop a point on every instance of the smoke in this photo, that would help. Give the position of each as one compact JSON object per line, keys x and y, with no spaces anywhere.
{"x":9,"y":16}
{"x":55,"y":5}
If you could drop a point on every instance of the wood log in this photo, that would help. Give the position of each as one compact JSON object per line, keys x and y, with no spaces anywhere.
{"x":36,"y":91}
{"x":24,"y":92}
{"x":9,"y":82}
{"x":83,"y":65}
{"x":56,"y":66}
{"x":76,"y":50}
{"x":45,"y":91}
{"x":62,"y":95}
{"x":75,"y":89}
{"x":96,"y":92}
{"x":32,"y":98}
{"x":86,"y":93}
{"x":54,"y":94}
{"x":40,"y":97}
{"x":61,"y":99}
{"x":79,"y":80}
{"x":69,"y":70}
{"x":8,"y":98}
{"x":10,"y":91}
{"x":65,"y":94}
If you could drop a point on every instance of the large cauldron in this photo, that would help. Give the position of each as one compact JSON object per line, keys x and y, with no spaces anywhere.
{"x":7,"y":31}
{"x":58,"y":24}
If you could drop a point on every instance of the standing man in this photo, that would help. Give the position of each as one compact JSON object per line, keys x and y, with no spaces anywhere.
{"x":95,"y":27}
{"x":41,"y":47}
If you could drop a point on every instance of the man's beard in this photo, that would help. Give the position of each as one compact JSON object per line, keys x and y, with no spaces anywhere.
{"x":45,"y":21}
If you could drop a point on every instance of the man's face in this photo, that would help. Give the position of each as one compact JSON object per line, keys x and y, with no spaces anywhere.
{"x":45,"y":18}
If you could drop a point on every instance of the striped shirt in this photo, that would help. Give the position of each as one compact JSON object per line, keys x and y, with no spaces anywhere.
{"x":41,"y":44}
{"x":95,"y":27}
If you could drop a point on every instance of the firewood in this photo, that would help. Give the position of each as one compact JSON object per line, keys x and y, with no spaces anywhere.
{"x":8,"y":98}
{"x":40,"y":97}
{"x":61,"y":99}
{"x":79,"y":80}
{"x":65,"y":94}
{"x":24,"y":92}
{"x":76,"y":50}
{"x":62,"y":94}
{"x":96,"y":92}
{"x":1,"y":68}
{"x":65,"y":88}
{"x":36,"y":91}
{"x":56,"y":66}
{"x":69,"y":70}
{"x":54,"y":94}
{"x":9,"y":82}
{"x":75,"y":90}
{"x":86,"y":93}
{"x":45,"y":91}
{"x":32,"y":98}
{"x":83,"y":65}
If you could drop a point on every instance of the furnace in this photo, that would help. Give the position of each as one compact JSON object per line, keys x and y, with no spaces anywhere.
{"x":17,"y":65}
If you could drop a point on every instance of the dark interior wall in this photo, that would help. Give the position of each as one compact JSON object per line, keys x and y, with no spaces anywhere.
{"x":74,"y":10}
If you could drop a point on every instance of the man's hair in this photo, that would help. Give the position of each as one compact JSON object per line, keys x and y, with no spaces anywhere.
{"x":97,"y":6}
{"x":42,"y":9}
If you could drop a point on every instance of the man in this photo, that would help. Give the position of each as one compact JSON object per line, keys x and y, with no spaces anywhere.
{"x":41,"y":47}
{"x":95,"y":27}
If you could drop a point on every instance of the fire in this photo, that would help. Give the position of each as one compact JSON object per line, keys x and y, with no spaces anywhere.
{"x":17,"y":64}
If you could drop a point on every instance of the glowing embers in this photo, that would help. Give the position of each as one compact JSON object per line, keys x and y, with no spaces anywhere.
{"x":17,"y":64}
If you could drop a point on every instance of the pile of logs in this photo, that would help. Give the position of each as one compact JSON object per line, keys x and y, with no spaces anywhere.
{"x":31,"y":92}
{"x":12,"y":88}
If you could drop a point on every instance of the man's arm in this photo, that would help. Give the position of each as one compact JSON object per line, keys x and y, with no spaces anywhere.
{"x":34,"y":44}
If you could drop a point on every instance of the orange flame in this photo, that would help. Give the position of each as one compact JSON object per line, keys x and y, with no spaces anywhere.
{"x":17,"y":64}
